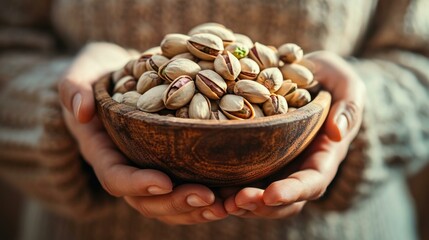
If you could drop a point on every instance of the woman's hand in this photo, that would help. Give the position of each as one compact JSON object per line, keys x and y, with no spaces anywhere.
{"x":286,"y":195}
{"x":148,"y":191}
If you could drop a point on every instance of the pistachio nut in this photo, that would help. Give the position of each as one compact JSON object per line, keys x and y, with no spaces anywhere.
{"x":226,"y":35}
{"x":130,"y":98}
{"x":254,"y":92}
{"x":287,"y":87}
{"x":290,"y":52}
{"x":125,"y":84}
{"x":151,"y":101}
{"x":236,"y":107}
{"x":139,"y":68}
{"x":271,"y":78}
{"x":230,"y":85}
{"x":186,"y":55}
{"x":239,"y":50}
{"x":128,"y":68}
{"x":297,"y":73}
{"x":177,"y":67}
{"x":264,"y":56}
{"x":154,"y":62}
{"x":199,"y":108}
{"x":147,"y":81}
{"x":249,"y":69}
{"x":298,"y":98}
{"x":182,"y":112}
{"x":205,"y":46}
{"x":117,"y":97}
{"x":276,"y":104}
{"x":118,"y":74}
{"x":258,"y":111}
{"x":228,"y":66}
{"x":211,"y":84}
{"x":218,"y":115}
{"x":243,"y":39}
{"x":206,"y":24}
{"x":179,"y":92}
{"x":173,"y":44}
{"x":206,"y":65}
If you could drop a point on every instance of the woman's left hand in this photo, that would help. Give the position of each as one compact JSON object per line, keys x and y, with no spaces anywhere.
{"x":318,"y":165}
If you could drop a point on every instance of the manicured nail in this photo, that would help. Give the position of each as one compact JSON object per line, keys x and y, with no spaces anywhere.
{"x":248,"y":206}
{"x":195,"y":201}
{"x":342,"y":125}
{"x":155,"y":190}
{"x":209,"y":215}
{"x":77,"y":100}
{"x":239,"y":212}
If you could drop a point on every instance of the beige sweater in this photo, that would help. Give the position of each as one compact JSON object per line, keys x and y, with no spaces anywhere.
{"x":385,"y":41}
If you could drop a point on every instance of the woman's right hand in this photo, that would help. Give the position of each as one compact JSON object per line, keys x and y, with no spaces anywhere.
{"x":148,"y":191}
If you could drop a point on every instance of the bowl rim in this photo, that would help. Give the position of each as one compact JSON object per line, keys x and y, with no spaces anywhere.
{"x":104,"y":99}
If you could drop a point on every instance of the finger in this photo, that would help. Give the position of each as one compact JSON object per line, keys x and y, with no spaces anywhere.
{"x":184,"y":199}
{"x":212,"y":213}
{"x":278,"y":212}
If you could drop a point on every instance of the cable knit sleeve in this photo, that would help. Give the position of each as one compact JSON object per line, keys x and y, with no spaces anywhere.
{"x":394,"y":65}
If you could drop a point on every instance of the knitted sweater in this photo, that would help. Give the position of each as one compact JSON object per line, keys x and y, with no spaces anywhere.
{"x":385,"y":41}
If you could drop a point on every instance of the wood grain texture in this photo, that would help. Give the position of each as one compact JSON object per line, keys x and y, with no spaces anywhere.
{"x":215,"y":153}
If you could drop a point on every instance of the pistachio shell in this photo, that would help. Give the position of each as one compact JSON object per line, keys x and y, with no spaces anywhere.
{"x":254,"y":92}
{"x":276,"y":104}
{"x":117,"y":75}
{"x":297,"y":73}
{"x":131,"y":98}
{"x":230,"y":85}
{"x":128,"y":68}
{"x":153,"y":51}
{"x":179,"y":92}
{"x":298,"y":98}
{"x":151,"y":101}
{"x":308,"y":64}
{"x":239,"y":50}
{"x":174,"y":44}
{"x":147,"y":81}
{"x":249,"y":69}
{"x":313,"y":88}
{"x":271,"y":78}
{"x":117,"y":97}
{"x":125,"y":84}
{"x":205,"y":46}
{"x":186,"y":55}
{"x":211,"y":84}
{"x":199,"y":108}
{"x":218,"y":115}
{"x":154,"y":62}
{"x":236,"y":107}
{"x":177,"y":67}
{"x":182,"y":112}
{"x":290,"y":52}
{"x":226,"y":35}
{"x":139,"y":68}
{"x":228,"y":66}
{"x":287,"y":87}
{"x":206,"y":65}
{"x":258,"y":111}
{"x":264,"y":56}
{"x":243,"y":39}
{"x":203,"y":25}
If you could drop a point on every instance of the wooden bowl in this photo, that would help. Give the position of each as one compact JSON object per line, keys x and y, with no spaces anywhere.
{"x":214,"y":153}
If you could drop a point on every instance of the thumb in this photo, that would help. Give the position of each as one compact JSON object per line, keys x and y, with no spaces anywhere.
{"x":342,"y":118}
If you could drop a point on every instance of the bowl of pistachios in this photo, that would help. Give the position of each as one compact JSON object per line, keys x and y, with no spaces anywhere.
{"x":213,"y":107}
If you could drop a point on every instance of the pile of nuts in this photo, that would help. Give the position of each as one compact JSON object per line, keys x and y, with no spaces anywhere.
{"x":213,"y":73}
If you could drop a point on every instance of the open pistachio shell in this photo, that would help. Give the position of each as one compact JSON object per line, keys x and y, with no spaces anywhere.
{"x":139,"y":68}
{"x":226,"y":35}
{"x":183,"y":112}
{"x":130,"y":98}
{"x":205,"y":46}
{"x":147,"y":81}
{"x":179,"y":92}
{"x":199,"y":108}
{"x":264,"y":56}
{"x":239,"y":50}
{"x":206,"y":65}
{"x":276,"y":104}
{"x":186,"y":55}
{"x":297,"y":73}
{"x":243,"y":39}
{"x":125,"y":84}
{"x":258,"y":111}
{"x":174,"y":44}
{"x":218,"y":115}
{"x":290,"y":52}
{"x":236,"y":107}
{"x":271,"y":78}
{"x":118,"y":97}
{"x":151,"y":101}
{"x":211,"y":84}
{"x":254,"y":92}
{"x":249,"y":69}
{"x":154,"y":62}
{"x":228,"y":66}
{"x":177,"y":67}
{"x":298,"y":98}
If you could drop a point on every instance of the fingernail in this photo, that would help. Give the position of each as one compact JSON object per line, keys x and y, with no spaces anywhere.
{"x":209,"y":215}
{"x":239,"y":212}
{"x":155,"y":190}
{"x":195,"y":201}
{"x":248,"y":206}
{"x":77,"y":100}
{"x":342,"y":125}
